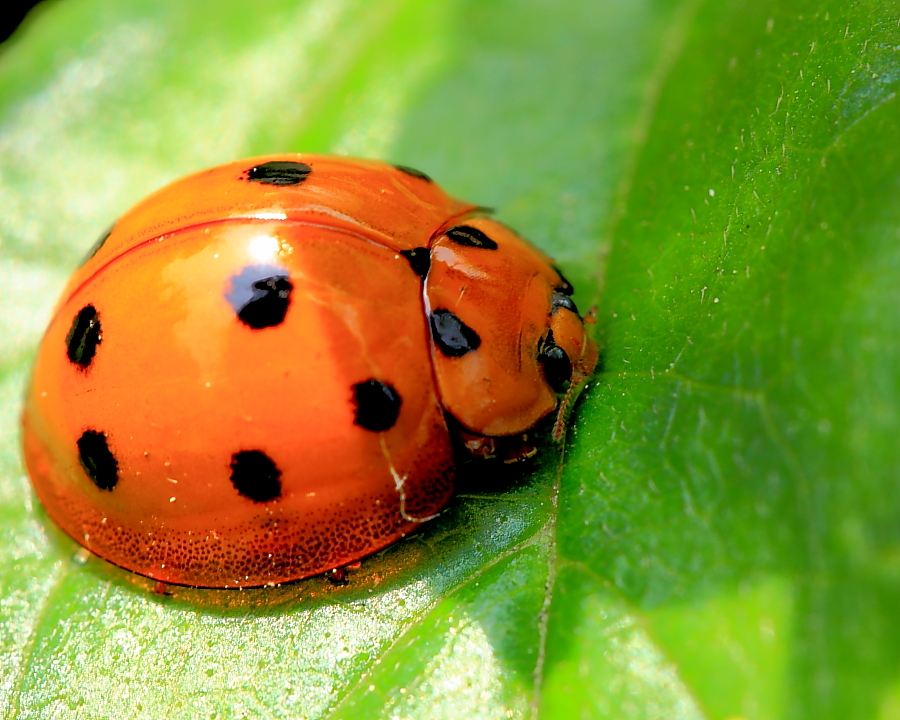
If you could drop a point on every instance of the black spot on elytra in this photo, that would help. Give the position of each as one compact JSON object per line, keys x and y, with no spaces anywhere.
{"x":565,"y":287}
{"x":84,"y":337}
{"x":558,"y":300}
{"x":452,"y":335}
{"x":97,"y":459}
{"x":260,"y":295}
{"x":95,"y":248}
{"x":279,"y":172}
{"x":255,"y":476}
{"x":412,"y":171}
{"x":470,"y":236}
{"x":377,"y":405}
{"x":419,"y":260}
{"x":556,"y":363}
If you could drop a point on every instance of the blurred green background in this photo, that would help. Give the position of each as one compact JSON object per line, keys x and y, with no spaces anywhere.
{"x":719,"y":536}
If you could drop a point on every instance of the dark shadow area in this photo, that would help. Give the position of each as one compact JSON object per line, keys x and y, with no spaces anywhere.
{"x":11,"y":16}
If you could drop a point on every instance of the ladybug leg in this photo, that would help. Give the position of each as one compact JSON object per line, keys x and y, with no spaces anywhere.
{"x":160,"y":588}
{"x":509,"y":449}
{"x":338,"y":575}
{"x":479,"y":446}
{"x":517,"y":448}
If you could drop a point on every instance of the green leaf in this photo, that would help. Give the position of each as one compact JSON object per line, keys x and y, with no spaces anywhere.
{"x":719,"y":537}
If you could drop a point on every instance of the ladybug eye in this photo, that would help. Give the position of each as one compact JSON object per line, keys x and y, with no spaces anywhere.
{"x":557,"y":366}
{"x":558,"y":300}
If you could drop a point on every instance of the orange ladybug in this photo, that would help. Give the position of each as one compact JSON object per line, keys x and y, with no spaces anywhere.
{"x":262,"y":371}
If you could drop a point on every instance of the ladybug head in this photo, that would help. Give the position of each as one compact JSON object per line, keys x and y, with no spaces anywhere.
{"x":567,"y":354}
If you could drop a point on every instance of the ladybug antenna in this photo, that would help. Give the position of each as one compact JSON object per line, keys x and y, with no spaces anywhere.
{"x":565,"y":405}
{"x":580,"y":374}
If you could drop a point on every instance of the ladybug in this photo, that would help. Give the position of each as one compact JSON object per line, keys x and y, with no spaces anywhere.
{"x":264,"y":370}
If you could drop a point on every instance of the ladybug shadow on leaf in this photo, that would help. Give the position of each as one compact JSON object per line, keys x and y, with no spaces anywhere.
{"x":494,"y":476}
